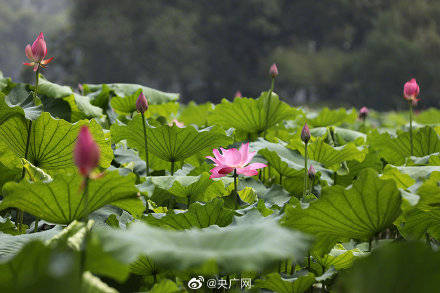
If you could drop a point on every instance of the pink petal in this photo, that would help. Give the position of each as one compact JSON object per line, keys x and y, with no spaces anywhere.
{"x":220,"y":171}
{"x":214,"y":160}
{"x":232,"y":157}
{"x":250,"y":170}
{"x":218,"y":156}
{"x":28,"y":51}
{"x":246,"y":171}
{"x":244,"y":153}
{"x":255,"y":166}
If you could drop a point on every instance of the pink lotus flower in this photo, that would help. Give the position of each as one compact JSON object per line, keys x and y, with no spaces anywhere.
{"x":86,"y":152}
{"x":178,"y":124}
{"x":233,"y":159}
{"x":238,"y":94}
{"x":411,"y":90}
{"x":273,"y":71}
{"x":141,"y":103}
{"x":37,"y":52}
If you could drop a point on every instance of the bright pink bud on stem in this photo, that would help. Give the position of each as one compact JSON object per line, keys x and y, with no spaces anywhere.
{"x":273,"y":71}
{"x":37,"y":52}
{"x":238,"y":94}
{"x":363,"y":113}
{"x":86,"y":152}
{"x":411,"y":90}
{"x":141,"y":103}
{"x":305,"y":133}
{"x":311,"y":172}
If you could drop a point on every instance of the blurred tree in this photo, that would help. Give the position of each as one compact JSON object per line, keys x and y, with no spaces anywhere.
{"x":404,"y":43}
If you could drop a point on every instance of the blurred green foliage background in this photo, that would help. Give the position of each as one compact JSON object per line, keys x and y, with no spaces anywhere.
{"x":333,"y":52}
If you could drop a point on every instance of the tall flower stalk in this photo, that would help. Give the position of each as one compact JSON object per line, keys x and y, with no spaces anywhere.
{"x":305,"y":137}
{"x":142,"y":107}
{"x":410,"y":92}
{"x":273,"y":72}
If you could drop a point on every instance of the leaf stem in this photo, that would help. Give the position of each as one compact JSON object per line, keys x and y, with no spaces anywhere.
{"x":146,"y":144}
{"x":36,"y":225}
{"x":410,"y":127}
{"x":172,"y":168}
{"x":306,"y":175}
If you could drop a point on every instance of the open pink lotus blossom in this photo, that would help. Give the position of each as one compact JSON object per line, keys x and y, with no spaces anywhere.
{"x":411,"y":90}
{"x":86,"y":152}
{"x":37,"y":52}
{"x":233,"y":159}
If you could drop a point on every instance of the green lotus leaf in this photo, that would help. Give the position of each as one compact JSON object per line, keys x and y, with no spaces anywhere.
{"x":329,"y":117}
{"x":186,"y":189}
{"x":198,"y":215}
{"x":196,"y":114}
{"x":55,"y":94}
{"x":386,"y":270}
{"x":318,"y":150}
{"x":19,"y":102}
{"x":127,"y":89}
{"x":252,"y":115}
{"x":243,"y":247}
{"x":51,"y":141}
{"x":276,"y":283}
{"x":171,"y":144}
{"x":369,"y":206}
{"x":395,"y":150}
{"x":40,"y":268}
{"x":340,"y":257}
{"x":62,"y":201}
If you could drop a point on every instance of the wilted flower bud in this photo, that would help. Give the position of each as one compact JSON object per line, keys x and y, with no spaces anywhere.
{"x":238,"y":94}
{"x":411,"y":90}
{"x":311,"y":172}
{"x":273,"y":71}
{"x":141,"y":103}
{"x":363,"y":113}
{"x":305,"y":133}
{"x":86,"y":152}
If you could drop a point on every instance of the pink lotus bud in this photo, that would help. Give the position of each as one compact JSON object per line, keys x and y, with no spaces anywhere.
{"x":363,"y":113}
{"x":311,"y":172}
{"x":37,"y":52}
{"x":39,"y":49}
{"x":305,"y":133}
{"x":238,"y":94}
{"x":86,"y":152}
{"x":141,"y":103}
{"x":273,"y":71}
{"x":411,"y":90}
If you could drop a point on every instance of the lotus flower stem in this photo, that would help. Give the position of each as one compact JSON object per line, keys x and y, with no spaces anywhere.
{"x":86,"y":198}
{"x":410,"y":127}
{"x":269,"y":97}
{"x":235,"y":188}
{"x":146,"y":145}
{"x":30,"y":121}
{"x":306,"y":175}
